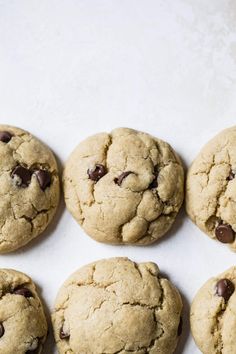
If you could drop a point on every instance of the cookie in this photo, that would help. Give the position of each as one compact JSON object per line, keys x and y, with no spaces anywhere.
{"x":117,"y":306}
{"x":124,"y":187}
{"x":211,"y":188}
{"x":213,"y":315}
{"x":23,"y":325}
{"x":29,"y":187}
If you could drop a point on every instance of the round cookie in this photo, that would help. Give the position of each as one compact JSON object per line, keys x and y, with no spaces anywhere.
{"x":124,"y":187}
{"x":117,"y":306}
{"x":213,"y":315}
{"x":211,"y":188}
{"x":29,"y":187}
{"x":23,"y":325}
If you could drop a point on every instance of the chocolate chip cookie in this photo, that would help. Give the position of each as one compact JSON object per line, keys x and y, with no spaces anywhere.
{"x":213,"y":315}
{"x":124,"y":187}
{"x":117,"y":306}
{"x":211,"y":188}
{"x":23,"y":325}
{"x":29,"y":187}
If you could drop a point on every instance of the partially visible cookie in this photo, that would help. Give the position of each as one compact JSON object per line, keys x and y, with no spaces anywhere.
{"x":213,"y":315}
{"x":211,"y":188}
{"x":29,"y":187}
{"x":117,"y":306}
{"x":124,"y":187}
{"x":23,"y":325}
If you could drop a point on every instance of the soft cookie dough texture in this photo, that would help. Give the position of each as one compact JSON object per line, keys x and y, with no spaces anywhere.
{"x":117,"y":306}
{"x":211,"y":187}
{"x":213,"y":317}
{"x":124,"y":187}
{"x":23,"y":325}
{"x":29,"y":187}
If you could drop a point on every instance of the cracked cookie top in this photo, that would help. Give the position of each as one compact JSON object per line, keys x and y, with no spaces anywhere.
{"x":213,"y":315}
{"x":23,"y":325}
{"x":117,"y":306}
{"x":29,"y":192}
{"x":211,"y":188}
{"x":124,"y":187}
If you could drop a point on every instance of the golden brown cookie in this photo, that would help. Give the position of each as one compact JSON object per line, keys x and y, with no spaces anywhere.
{"x":29,"y":187}
{"x":117,"y":306}
{"x":213,"y":315}
{"x":211,"y":188}
{"x":23,"y":325}
{"x":124,"y":187}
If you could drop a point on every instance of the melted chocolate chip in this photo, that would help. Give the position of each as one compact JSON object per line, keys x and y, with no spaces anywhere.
{"x":23,"y":292}
{"x":97,"y":172}
{"x":225,"y":233}
{"x":2,"y":330}
{"x":5,"y":136}
{"x":119,"y":180}
{"x":22,"y":175}
{"x":225,"y":288}
{"x":44,"y":178}
{"x":180,"y":327}
{"x":64,"y":335}
{"x":230,"y":176}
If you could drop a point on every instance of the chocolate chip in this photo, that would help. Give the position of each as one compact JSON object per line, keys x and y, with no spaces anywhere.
{"x":97,"y":172}
{"x":230,"y":176}
{"x":22,"y":176}
{"x":225,"y":233}
{"x":154,"y":183}
{"x":5,"y":136}
{"x":63,"y":335}
{"x":224,"y":288}
{"x":44,"y":178}
{"x":123,"y":175}
{"x":23,"y":292}
{"x":2,"y":330}
{"x":180,"y":327}
{"x":33,"y":351}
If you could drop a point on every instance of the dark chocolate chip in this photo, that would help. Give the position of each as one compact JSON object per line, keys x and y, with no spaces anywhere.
{"x":23,"y":292}
{"x":5,"y":136}
{"x":63,"y":335}
{"x":2,"y":330}
{"x":97,"y":172}
{"x":23,"y":174}
{"x":230,"y":176}
{"x":44,"y":178}
{"x":180,"y":327}
{"x":153,"y":184}
{"x":123,"y":175}
{"x":225,"y":233}
{"x":225,"y":288}
{"x":33,"y":351}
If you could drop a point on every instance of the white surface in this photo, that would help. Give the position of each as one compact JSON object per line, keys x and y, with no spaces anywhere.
{"x":69,"y":69}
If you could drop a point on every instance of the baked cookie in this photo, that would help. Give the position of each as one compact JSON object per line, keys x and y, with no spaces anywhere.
{"x":213,"y":315}
{"x":23,"y":325}
{"x":124,"y":187}
{"x":29,"y":192}
{"x":117,"y":306}
{"x":211,"y":188}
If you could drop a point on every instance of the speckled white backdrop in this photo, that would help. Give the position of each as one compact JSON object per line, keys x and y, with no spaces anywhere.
{"x":70,"y":68}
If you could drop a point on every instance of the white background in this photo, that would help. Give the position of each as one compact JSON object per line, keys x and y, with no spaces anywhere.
{"x":71,"y":68}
